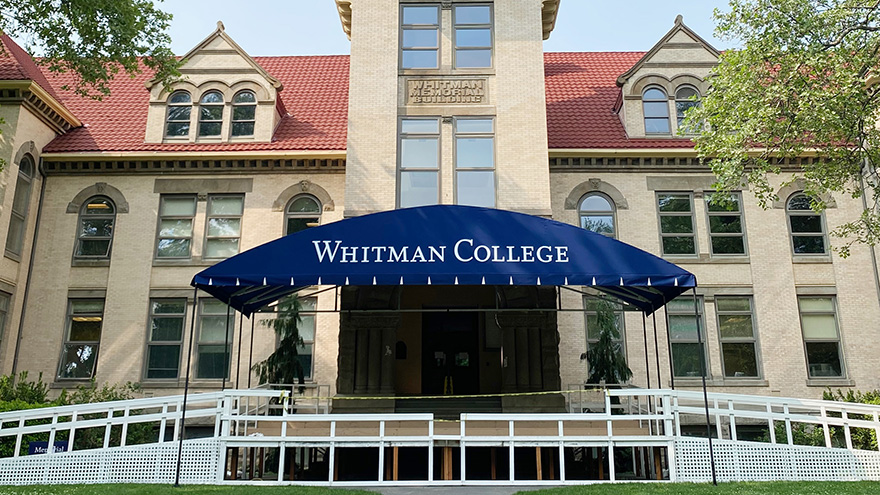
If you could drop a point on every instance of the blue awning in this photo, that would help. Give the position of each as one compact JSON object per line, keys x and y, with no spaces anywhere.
{"x":444,"y":245}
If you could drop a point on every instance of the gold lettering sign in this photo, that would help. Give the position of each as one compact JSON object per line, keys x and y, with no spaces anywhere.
{"x":445,"y":91}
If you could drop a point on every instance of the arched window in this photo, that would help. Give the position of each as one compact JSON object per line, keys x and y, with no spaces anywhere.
{"x":686,"y":98}
{"x":179,"y":110}
{"x":211,"y":114}
{"x":95,"y":232}
{"x":244,"y":111}
{"x":656,"y":106}
{"x":597,"y":214}
{"x":807,"y":227}
{"x":20,"y":203}
{"x":302,"y":212}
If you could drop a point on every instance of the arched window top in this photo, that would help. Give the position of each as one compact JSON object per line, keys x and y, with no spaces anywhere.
{"x":807,"y":228}
{"x":26,"y":166}
{"x":304,"y":204}
{"x":303,"y":211}
{"x":96,"y":225}
{"x":596,"y":212}
{"x":180,"y":97}
{"x":655,"y":105}
{"x":246,"y":96}
{"x":799,"y":202}
{"x":686,"y":97}
{"x":687,"y":93}
{"x":98,"y":205}
{"x":212,"y":97}
{"x":595,"y":202}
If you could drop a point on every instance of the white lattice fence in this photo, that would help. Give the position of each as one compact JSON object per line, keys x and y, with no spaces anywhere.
{"x":755,"y":461}
{"x":154,"y":463}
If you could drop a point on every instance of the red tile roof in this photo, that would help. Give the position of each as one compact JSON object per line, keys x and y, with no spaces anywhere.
{"x":16,"y":64}
{"x":581,"y":94}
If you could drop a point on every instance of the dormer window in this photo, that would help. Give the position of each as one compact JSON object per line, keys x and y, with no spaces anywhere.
{"x":686,"y":97}
{"x":656,"y":107}
{"x":244,"y":111}
{"x":179,"y":109}
{"x":211,"y":114}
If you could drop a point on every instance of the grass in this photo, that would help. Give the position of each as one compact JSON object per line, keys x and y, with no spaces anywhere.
{"x":770,"y":488}
{"x":169,"y":490}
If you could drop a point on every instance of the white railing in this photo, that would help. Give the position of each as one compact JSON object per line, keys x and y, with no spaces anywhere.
{"x":249,"y":428}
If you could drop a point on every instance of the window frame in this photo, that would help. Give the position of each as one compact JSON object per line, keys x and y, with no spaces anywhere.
{"x":202,"y":121}
{"x":586,"y":213}
{"x":456,"y":134}
{"x":160,"y":217}
{"x":739,"y":340}
{"x":208,"y":216}
{"x":233,"y":121}
{"x":24,"y":183}
{"x":645,"y":117}
{"x":151,"y":314}
{"x":702,"y":339}
{"x":839,"y":340}
{"x":199,"y":342}
{"x":420,"y":27}
{"x":742,"y":224}
{"x":489,"y":26}
{"x":79,"y":232}
{"x":305,"y":215}
{"x":400,"y":167}
{"x":690,"y":103}
{"x":5,"y":304}
{"x":619,"y":313}
{"x":168,"y":107}
{"x":691,"y":213}
{"x":791,"y":234}
{"x":66,"y":341}
{"x":309,"y":375}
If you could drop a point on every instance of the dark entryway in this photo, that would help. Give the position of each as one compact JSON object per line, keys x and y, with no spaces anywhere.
{"x":450,"y":354}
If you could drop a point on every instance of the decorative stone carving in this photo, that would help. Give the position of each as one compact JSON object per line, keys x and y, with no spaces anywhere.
{"x":304,"y":187}
{"x":595,"y":185}
{"x":100,"y":188}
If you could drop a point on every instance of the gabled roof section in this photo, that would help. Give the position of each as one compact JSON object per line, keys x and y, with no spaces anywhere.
{"x":205,"y":46}
{"x":667,"y":41}
{"x":16,"y":64}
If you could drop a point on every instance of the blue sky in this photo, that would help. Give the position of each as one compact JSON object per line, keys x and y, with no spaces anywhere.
{"x":311,"y":27}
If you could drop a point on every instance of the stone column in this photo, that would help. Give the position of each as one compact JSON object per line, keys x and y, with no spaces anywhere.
{"x":508,"y":370}
{"x":346,"y":358}
{"x":389,"y":337}
{"x":522,"y":359}
{"x":362,"y":360}
{"x":374,"y":366}
{"x":550,"y":354}
{"x":536,"y":381}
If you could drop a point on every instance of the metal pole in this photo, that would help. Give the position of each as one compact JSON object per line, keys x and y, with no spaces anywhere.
{"x":657,"y":349}
{"x":669,"y":347}
{"x":238,"y":361}
{"x":226,"y":349}
{"x":192,"y":331}
{"x":703,"y":368}
{"x":647,"y":358}
{"x":251,"y":358}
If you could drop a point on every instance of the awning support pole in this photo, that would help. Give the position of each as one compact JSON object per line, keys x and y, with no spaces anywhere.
{"x":251,"y":357}
{"x":703,"y":369}
{"x":656,"y":349}
{"x":192,"y":331}
{"x":238,"y":362}
{"x":669,"y":347}
{"x":647,"y":358}
{"x":226,"y":349}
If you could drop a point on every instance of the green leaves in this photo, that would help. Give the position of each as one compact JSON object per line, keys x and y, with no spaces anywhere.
{"x":797,"y":88}
{"x":96,"y":40}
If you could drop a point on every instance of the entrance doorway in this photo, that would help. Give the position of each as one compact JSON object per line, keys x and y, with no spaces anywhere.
{"x":450,"y":354}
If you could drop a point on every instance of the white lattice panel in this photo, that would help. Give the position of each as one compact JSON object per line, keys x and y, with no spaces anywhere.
{"x":154,"y":463}
{"x":754,"y":461}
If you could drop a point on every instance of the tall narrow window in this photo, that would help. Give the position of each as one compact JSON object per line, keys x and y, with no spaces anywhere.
{"x":306,"y":352}
{"x":739,"y":353}
{"x":420,"y":36}
{"x":655,"y":104}
{"x":4,"y":312}
{"x":685,"y":98}
{"x":210,"y":114}
{"x":677,"y":224}
{"x":165,"y":338}
{"x":95,"y":233}
{"x":821,"y":337}
{"x":475,"y":162}
{"x":82,"y":338}
{"x":473,"y":36}
{"x":419,"y":162}
{"x":20,"y":204}
{"x":302,"y":212}
{"x":244,"y":113}
{"x":223,"y":226}
{"x":806,"y":226}
{"x":592,"y":321}
{"x":597,"y":214}
{"x":176,"y":215}
{"x":179,"y":111}
{"x":688,"y":346}
{"x":213,"y":352}
{"x":726,"y":231}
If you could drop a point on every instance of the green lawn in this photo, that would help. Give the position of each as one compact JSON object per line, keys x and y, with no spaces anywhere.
{"x":168,"y":490}
{"x":775,"y":488}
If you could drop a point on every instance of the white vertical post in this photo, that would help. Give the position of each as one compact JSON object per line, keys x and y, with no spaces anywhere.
{"x":73,"y":431}
{"x":431,"y":449}
{"x":561,"y":434}
{"x":717,"y":419}
{"x":877,"y":428}
{"x":510,"y":433}
{"x":462,"y":466}
{"x":332,"y":465}
{"x":787,"y":424}
{"x":381,"y":450}
{"x":825,"y":427}
{"x":771,"y":424}
{"x":732,"y":420}
{"x":846,"y":431}
{"x":125,"y":418}
{"x":671,"y":461}
{"x":108,"y":428}
{"x":163,"y":422}
{"x":177,"y":421}
{"x":677,"y":416}
{"x":51,"y":447}
{"x":282,"y":450}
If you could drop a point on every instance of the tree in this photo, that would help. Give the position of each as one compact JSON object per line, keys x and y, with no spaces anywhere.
{"x":801,"y":84}
{"x":283,"y":366}
{"x":605,"y":358}
{"x":93,"y":39}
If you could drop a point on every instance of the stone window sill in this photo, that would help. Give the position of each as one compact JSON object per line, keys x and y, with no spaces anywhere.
{"x":830,"y":382}
{"x":715,"y":382}
{"x":84,"y":262}
{"x":811,"y":259}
